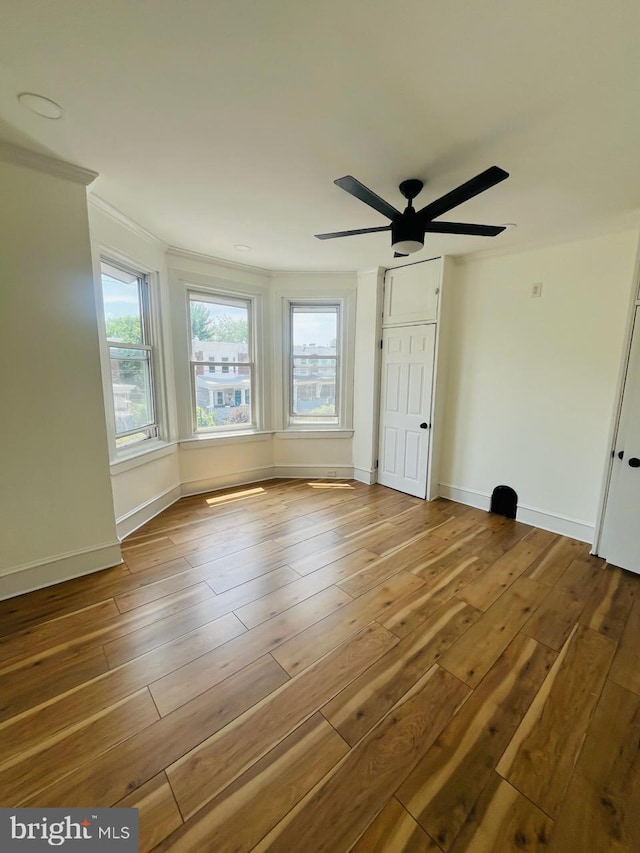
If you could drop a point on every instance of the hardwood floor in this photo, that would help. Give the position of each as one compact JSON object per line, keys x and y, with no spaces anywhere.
{"x":294,"y":666}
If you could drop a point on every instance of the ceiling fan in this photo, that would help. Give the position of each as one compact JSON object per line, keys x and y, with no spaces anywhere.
{"x":409,"y":227}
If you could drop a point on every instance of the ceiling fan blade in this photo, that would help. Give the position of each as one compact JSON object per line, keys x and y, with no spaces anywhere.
{"x":355,"y":188}
{"x":463,"y":228}
{"x":333,"y":234}
{"x":399,"y":255}
{"x":484,"y":181}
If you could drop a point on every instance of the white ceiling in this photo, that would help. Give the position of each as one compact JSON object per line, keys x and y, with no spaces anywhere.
{"x":216,"y":122}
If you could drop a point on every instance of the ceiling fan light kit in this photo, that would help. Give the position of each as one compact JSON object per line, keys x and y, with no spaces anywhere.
{"x":408,"y":228}
{"x":407,"y":233}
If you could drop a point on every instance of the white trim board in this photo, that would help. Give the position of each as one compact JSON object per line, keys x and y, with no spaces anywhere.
{"x":63,"y":567}
{"x":364,"y":475}
{"x":238,"y":478}
{"x":135,"y":518}
{"x":201,"y":257}
{"x":122,"y":218}
{"x":267,"y":472}
{"x":554,"y":522}
{"x":313,"y":472}
{"x":19,"y":156}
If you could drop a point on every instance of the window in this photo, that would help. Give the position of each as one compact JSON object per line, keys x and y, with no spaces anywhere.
{"x":128,"y":332}
{"x":314,"y":364}
{"x":221,"y":334}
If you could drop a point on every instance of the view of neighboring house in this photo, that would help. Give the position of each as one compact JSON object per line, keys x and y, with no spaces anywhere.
{"x":314,"y":385}
{"x":223,"y":382}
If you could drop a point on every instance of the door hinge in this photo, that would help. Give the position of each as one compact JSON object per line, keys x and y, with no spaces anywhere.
{"x":376,"y":463}
{"x":381,"y":344}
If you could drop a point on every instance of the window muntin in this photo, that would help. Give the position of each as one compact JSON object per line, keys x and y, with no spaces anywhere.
{"x":222,"y":364}
{"x":314,"y":364}
{"x":127,"y":327}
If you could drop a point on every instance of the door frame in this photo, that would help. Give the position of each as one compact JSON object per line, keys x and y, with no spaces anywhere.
{"x":429,"y":437}
{"x":440,"y":369}
{"x":617,"y":411}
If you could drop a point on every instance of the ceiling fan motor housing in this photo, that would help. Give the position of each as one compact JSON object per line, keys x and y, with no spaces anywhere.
{"x":407,"y":233}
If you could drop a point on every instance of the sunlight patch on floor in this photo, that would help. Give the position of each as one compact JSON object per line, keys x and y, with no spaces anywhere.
{"x":330,"y":485}
{"x":236,"y":496}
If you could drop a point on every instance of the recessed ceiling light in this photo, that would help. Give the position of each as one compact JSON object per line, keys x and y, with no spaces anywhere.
{"x":240,"y":247}
{"x":44,"y":107}
{"x":509,"y":225}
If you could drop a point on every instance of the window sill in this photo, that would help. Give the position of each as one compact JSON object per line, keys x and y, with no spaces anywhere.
{"x":314,"y":433}
{"x":142,"y":456}
{"x":198,"y":442}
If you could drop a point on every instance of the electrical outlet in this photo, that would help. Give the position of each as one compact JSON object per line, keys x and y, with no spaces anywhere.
{"x":536,"y":289}
{"x":331,"y":473}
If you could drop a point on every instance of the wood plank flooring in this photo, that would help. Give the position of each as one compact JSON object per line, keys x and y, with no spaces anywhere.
{"x":298,"y":667}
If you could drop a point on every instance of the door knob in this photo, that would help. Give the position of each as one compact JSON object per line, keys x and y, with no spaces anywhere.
{"x":426,"y":426}
{"x":634,"y":462}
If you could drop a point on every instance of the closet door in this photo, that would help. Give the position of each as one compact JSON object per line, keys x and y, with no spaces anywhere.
{"x":411,"y":293}
{"x":620,"y":542}
{"x":405,"y":414}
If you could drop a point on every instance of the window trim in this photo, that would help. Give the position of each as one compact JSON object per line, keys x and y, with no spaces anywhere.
{"x":343,"y":359}
{"x":220,"y":297}
{"x":151,"y":322}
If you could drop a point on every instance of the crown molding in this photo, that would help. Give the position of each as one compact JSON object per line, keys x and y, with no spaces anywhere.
{"x":372,"y":271}
{"x":124,"y":220}
{"x":203,"y":258}
{"x":19,"y":156}
{"x":311,"y":273}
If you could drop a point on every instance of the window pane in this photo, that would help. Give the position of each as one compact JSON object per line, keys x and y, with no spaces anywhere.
{"x":122,"y":309}
{"x":131,"y":381}
{"x":220,"y":332}
{"x":314,"y":332}
{"x":314,"y":390}
{"x":222,"y":399}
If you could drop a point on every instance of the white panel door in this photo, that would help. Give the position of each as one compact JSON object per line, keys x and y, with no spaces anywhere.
{"x":620,"y":543}
{"x":405,"y":407}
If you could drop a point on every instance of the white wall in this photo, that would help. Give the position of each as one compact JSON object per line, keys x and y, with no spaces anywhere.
{"x":366,"y":390}
{"x":146,"y":485}
{"x":55,"y":502}
{"x":532,"y":382}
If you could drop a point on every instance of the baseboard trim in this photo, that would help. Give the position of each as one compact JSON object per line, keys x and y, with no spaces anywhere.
{"x":313,"y":472}
{"x":64,"y":567}
{"x":468,"y":497}
{"x":238,"y":478}
{"x":266,"y":472}
{"x":363,"y":475}
{"x":574,"y":528}
{"x":135,"y":518}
